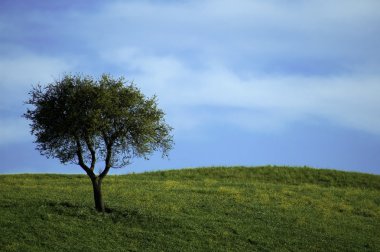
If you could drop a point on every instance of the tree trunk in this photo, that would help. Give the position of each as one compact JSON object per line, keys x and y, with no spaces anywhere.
{"x":99,"y":203}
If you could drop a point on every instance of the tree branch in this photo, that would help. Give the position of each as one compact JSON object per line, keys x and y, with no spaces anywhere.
{"x":89,"y":172}
{"x":92,"y":151}
{"x":105,"y":138}
{"x":107,"y":162}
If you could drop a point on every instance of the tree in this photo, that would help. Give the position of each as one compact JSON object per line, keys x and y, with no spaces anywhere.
{"x":89,"y":122}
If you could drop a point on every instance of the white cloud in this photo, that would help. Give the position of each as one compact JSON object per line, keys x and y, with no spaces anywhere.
{"x":246,"y":59}
{"x":234,"y":30}
{"x":21,"y":70}
{"x":18,"y":73}
{"x":273,"y":62}
{"x":26,"y":68}
{"x":259,"y":102}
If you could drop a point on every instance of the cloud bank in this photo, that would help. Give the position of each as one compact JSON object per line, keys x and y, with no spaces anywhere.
{"x":257,"y":65}
{"x":17,"y":74}
{"x":259,"y":101}
{"x":271,"y":63}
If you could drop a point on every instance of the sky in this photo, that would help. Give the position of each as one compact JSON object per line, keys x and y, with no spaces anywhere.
{"x":242,"y":82}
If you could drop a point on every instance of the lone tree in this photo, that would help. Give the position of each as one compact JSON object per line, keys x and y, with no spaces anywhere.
{"x":89,"y":122}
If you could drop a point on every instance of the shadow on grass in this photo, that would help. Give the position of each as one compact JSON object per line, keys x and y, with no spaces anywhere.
{"x":88,"y":212}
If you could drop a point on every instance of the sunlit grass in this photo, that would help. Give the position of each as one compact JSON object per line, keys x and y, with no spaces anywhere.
{"x":213,"y":209}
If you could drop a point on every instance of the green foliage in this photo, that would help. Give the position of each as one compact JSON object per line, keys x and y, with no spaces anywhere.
{"x":209,"y":209}
{"x":81,"y":120}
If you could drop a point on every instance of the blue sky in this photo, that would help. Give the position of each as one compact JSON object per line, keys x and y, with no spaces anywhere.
{"x":243,"y":82}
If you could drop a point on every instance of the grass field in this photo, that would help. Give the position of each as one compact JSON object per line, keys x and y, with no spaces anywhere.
{"x":208,"y":209}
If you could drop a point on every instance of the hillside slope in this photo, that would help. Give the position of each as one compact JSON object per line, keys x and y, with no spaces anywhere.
{"x":208,"y":209}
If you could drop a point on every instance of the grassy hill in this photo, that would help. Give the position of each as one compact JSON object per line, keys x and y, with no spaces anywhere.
{"x":209,"y":209}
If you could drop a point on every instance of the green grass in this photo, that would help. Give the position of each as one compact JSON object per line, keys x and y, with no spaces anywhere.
{"x":209,"y":209}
